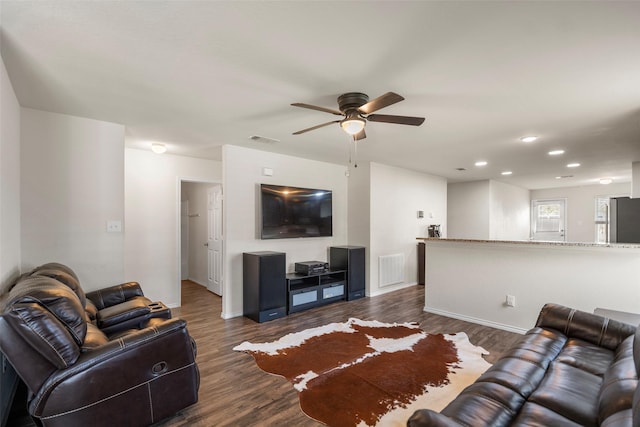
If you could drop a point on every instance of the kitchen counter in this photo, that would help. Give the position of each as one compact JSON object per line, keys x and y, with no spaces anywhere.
{"x":535,"y":242}
{"x":471,"y":279}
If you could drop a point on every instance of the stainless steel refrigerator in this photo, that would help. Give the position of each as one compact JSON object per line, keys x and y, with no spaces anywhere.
{"x":624,"y":220}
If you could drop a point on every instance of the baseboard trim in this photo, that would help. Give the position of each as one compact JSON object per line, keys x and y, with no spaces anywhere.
{"x":391,"y":288}
{"x":197,"y":282}
{"x":227,"y":316}
{"x":476,"y":320}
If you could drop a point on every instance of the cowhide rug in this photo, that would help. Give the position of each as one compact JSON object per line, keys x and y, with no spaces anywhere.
{"x":368,"y":373}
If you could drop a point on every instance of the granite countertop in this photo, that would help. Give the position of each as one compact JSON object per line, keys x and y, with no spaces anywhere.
{"x":535,"y":242}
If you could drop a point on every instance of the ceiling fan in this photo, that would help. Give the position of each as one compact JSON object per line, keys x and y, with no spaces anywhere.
{"x":356,"y":109}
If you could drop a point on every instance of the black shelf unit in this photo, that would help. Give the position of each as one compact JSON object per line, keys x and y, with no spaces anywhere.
{"x":307,"y":291}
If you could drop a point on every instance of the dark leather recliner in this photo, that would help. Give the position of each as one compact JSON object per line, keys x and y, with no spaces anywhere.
{"x":77,"y":374}
{"x":113,"y":308}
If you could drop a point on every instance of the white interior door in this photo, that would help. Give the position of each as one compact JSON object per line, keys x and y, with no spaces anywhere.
{"x":548,"y":220}
{"x":214,"y":239}
{"x":184,"y":240}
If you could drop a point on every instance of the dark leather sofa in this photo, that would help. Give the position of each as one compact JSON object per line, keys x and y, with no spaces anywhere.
{"x":134,"y":374}
{"x":572,"y":369}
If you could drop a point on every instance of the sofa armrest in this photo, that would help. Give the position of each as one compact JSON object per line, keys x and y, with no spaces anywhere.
{"x":127,"y":363}
{"x":135,"y":309}
{"x":598,"y":330}
{"x":116,"y":294}
{"x":427,"y":417}
{"x":621,"y":316}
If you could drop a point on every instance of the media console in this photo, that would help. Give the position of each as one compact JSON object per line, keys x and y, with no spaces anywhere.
{"x":269,"y":293}
{"x":307,"y":291}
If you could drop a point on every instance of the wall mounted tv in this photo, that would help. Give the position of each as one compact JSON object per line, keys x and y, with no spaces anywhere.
{"x":289,"y":212}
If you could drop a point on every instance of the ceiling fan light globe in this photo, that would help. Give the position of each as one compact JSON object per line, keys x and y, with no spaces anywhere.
{"x":352,"y":126}
{"x":158,"y":148}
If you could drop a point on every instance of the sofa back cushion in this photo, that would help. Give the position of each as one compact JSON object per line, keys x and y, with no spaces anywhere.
{"x":116,"y":294}
{"x":44,"y":333}
{"x":49,"y":316}
{"x":574,"y":323}
{"x":63,"y":274}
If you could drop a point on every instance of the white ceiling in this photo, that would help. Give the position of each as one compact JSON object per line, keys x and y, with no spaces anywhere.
{"x":197,"y":75}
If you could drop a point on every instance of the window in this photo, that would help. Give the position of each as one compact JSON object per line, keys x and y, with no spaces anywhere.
{"x":548,"y":220}
{"x":602,"y":219}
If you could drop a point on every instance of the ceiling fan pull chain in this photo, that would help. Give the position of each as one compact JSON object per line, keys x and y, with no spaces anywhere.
{"x":355,"y":152}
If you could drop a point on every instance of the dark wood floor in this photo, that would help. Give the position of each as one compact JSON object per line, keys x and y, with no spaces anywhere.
{"x":234,"y":391}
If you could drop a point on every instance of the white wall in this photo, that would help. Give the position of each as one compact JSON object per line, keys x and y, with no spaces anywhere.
{"x":635,"y":180}
{"x":581,"y":206}
{"x":242,"y":176}
{"x":509,"y":216}
{"x":535,"y":273}
{"x":359,"y":213}
{"x":72,"y":183}
{"x":9,"y":181}
{"x":396,"y":197}
{"x":468,"y":210}
{"x":359,"y":183}
{"x":152,"y":218}
{"x":488,"y":210}
{"x":197,"y":195}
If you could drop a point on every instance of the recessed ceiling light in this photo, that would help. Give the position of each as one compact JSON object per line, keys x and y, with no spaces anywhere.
{"x":530,"y":138}
{"x":507,"y":173}
{"x":573,"y":165}
{"x":556,"y":152}
{"x":606,"y":181}
{"x":564,"y":176}
{"x":481,"y":163}
{"x":158,"y":148}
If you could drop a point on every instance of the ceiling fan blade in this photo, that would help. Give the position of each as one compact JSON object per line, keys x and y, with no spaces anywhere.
{"x":315,"y":127}
{"x":401,"y":120}
{"x":382,"y":101}
{"x":315,"y":107}
{"x":360,"y":135}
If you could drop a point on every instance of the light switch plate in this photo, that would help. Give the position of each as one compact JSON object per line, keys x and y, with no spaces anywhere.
{"x":114,"y":226}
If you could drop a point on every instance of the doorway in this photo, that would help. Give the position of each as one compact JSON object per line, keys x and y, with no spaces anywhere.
{"x":201,"y":237}
{"x":549,"y":220}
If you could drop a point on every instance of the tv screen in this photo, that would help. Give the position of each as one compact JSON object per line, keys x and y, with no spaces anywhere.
{"x":289,"y":212}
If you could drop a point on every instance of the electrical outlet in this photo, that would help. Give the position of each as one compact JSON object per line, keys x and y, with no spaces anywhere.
{"x":511,"y":301}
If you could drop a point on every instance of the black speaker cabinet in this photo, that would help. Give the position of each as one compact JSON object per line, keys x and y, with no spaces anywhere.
{"x":350,"y":258}
{"x":264,"y":286}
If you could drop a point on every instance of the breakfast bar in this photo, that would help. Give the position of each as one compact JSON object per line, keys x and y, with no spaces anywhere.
{"x":504,"y":284}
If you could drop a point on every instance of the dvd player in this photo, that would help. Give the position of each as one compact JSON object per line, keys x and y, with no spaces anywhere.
{"x":311,"y":267}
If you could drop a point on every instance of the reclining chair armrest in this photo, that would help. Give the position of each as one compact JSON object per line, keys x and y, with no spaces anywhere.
{"x":131,"y":358}
{"x":590,"y":327}
{"x":116,"y":294}
{"x":427,"y":417}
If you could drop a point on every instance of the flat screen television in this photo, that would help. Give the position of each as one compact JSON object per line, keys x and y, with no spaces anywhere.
{"x":290,"y":212}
